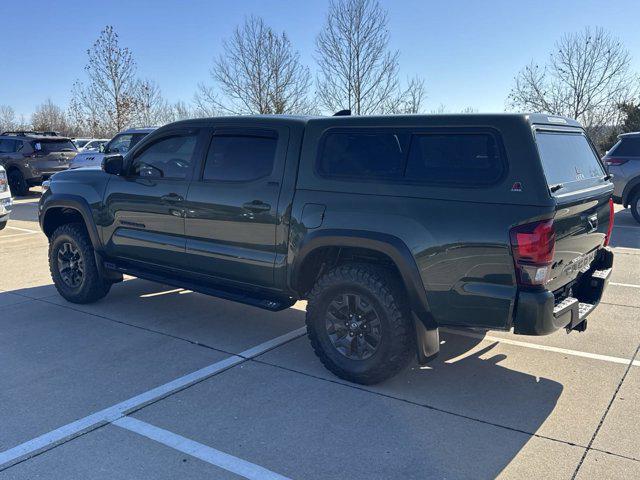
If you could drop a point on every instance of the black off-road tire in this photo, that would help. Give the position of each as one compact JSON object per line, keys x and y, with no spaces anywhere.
{"x":2,"y":225}
{"x":382,"y":290}
{"x":17,"y":184}
{"x":93,"y":286}
{"x":634,"y":204}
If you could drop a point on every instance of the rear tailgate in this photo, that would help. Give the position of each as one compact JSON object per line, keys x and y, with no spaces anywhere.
{"x":576,"y":179}
{"x":53,"y":155}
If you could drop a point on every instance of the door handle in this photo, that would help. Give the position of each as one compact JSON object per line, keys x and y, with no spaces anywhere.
{"x":172,"y":198}
{"x":257,"y":206}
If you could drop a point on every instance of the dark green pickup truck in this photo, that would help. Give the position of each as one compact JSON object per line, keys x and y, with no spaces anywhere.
{"x":389,"y":226}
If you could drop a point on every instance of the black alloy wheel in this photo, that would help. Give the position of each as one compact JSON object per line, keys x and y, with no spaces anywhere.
{"x":353,"y":326}
{"x":70,"y":265}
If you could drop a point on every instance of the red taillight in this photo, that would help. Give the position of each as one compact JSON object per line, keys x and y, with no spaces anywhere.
{"x":610,"y":227}
{"x":533,"y":246}
{"x":615,"y":161}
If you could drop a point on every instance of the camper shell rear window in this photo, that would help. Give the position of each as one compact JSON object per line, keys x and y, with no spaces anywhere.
{"x":568,"y":160}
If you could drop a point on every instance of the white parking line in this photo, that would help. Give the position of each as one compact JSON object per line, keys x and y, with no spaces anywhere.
{"x":535,"y":346}
{"x":634,"y":252}
{"x":110,"y":414}
{"x":17,"y":235}
{"x":157,"y":294}
{"x":624,"y":285}
{"x":198,"y":450}
{"x":22,"y":229}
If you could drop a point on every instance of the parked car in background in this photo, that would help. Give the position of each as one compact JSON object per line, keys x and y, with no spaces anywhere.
{"x":31,"y":157}
{"x":95,"y":145}
{"x":80,"y":142}
{"x":623,"y":162}
{"x":121,"y":143}
{"x":390,"y":226}
{"x":5,"y":199}
{"x":89,"y":144}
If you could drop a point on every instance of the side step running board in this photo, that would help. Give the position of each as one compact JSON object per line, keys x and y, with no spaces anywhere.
{"x":256,"y":299}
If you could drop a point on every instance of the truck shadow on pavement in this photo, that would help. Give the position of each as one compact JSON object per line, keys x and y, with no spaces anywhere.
{"x":479,"y":414}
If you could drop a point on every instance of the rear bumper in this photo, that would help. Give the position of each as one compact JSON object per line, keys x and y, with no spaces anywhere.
{"x":538,"y":313}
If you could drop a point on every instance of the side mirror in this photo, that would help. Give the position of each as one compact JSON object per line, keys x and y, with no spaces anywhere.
{"x":113,"y":164}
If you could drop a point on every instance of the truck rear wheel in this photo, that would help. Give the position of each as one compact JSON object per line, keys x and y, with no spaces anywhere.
{"x":357,"y":325}
{"x":73,"y":265}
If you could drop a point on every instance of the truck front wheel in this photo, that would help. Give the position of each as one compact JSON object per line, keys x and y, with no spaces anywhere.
{"x":73,"y":265}
{"x":357,"y":324}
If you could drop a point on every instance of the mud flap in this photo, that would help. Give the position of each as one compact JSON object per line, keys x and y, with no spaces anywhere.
{"x":107,"y":273}
{"x":427,"y":341}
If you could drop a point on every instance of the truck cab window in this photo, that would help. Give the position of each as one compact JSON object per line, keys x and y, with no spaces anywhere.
{"x":169,"y":157}
{"x":239,"y":158}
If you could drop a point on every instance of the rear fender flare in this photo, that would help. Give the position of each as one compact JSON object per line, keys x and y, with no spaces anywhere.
{"x":384,"y":243}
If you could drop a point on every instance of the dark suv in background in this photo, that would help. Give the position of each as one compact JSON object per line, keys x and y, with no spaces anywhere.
{"x":32,"y":157}
{"x":389,"y":226}
{"x":623,"y":162}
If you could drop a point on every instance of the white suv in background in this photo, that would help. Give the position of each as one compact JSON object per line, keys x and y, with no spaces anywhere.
{"x":93,"y":145}
{"x":121,"y":143}
{"x":5,"y":198}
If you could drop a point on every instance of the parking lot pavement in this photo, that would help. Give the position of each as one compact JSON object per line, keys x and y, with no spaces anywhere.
{"x":113,"y":453}
{"x":156,"y":382}
{"x":58,"y":365}
{"x":599,"y":465}
{"x":620,"y":432}
{"x":313,"y":429}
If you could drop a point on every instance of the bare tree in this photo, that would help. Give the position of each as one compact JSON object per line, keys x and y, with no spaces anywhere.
{"x":7,"y":118}
{"x":207,"y":103}
{"x":181,"y":111}
{"x":439,"y":110}
{"x":407,"y":101}
{"x":107,"y":102}
{"x":151,"y":108}
{"x":259,"y":72}
{"x":357,"y":70}
{"x":50,"y":117}
{"x":585,"y":78}
{"x":442,"y":109}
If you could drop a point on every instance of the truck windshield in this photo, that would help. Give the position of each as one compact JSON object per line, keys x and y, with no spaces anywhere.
{"x":568,"y":160}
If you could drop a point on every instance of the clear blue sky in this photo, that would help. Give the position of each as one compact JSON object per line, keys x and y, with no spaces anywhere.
{"x":468,"y":51}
